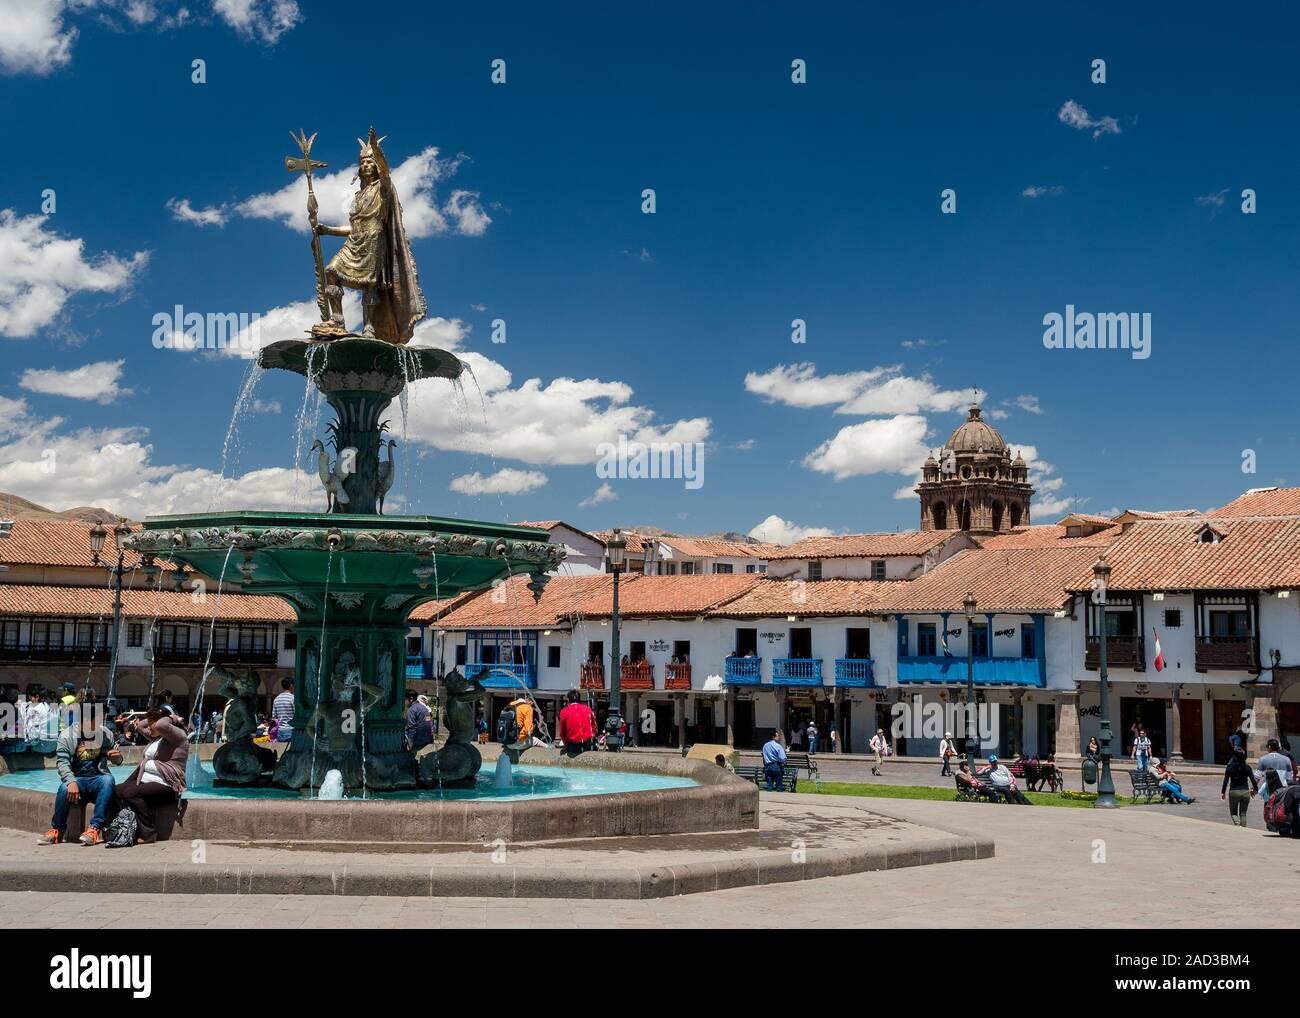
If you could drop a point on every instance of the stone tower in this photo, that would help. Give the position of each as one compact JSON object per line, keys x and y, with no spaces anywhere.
{"x":975,"y":485}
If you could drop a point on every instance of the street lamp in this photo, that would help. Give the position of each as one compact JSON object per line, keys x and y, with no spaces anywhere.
{"x":1105,"y":784}
{"x":616,"y":546}
{"x":98,"y":534}
{"x":971,"y":733}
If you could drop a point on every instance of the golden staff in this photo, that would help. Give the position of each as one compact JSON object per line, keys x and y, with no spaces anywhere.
{"x":305,"y":165}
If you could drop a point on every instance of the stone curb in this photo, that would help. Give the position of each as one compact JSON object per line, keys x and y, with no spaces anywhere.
{"x":486,"y":881}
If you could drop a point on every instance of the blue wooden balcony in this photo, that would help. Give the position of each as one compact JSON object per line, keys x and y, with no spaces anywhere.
{"x":743,"y":671}
{"x":501,"y":676}
{"x":418,"y":667}
{"x":989,"y":671}
{"x":858,"y":672}
{"x":796,"y":671}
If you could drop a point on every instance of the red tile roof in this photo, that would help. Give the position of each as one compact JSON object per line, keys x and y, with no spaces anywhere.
{"x":91,"y":602}
{"x":775,"y":598}
{"x":1154,"y":514}
{"x":511,"y":605}
{"x":427,"y":612}
{"x":552,"y":524}
{"x":1254,"y":553}
{"x":1025,"y":579}
{"x":635,"y":541}
{"x":1262,"y":502}
{"x":708,"y":547}
{"x":864,"y":545}
{"x":56,"y":543}
{"x":653,"y":596}
{"x":1049,"y":535}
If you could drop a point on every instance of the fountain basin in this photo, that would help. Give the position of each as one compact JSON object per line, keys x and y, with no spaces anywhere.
{"x":592,"y":796}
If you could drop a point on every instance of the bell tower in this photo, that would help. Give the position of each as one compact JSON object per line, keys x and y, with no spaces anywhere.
{"x":974,"y":484}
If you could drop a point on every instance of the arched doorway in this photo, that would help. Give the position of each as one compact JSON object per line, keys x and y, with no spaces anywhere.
{"x":997,"y":515}
{"x":939,"y":515}
{"x":1015,"y":516}
{"x":964,"y":516}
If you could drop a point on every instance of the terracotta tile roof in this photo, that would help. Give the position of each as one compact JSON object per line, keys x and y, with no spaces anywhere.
{"x":425,"y":613}
{"x":1033,"y":579}
{"x":1105,"y":521}
{"x":1049,"y":535}
{"x":552,"y":524}
{"x":774,"y":598}
{"x":512,"y":606}
{"x":65,"y":602}
{"x":635,"y":541}
{"x":1254,"y":553}
{"x":670,"y":595}
{"x":1154,"y":514}
{"x":56,"y":543}
{"x":864,"y":545}
{"x":1263,"y":502}
{"x":707,"y":547}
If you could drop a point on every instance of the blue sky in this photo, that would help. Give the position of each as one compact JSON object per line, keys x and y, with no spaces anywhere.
{"x":775,"y":201}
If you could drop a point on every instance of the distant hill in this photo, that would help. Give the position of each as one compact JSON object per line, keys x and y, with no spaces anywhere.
{"x":13,"y":507}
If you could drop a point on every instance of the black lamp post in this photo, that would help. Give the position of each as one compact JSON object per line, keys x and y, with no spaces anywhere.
{"x":972,"y":735}
{"x":616,"y":547}
{"x":1105,"y":784}
{"x":97,"y":535}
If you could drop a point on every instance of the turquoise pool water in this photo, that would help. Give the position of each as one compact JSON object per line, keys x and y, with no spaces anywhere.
{"x":529,"y":783}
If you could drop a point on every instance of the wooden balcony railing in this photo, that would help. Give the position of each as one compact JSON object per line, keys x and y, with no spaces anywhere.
{"x":1121,"y":652}
{"x":743,"y":671}
{"x":592,"y":676}
{"x":1236,"y":652}
{"x":677,"y":676}
{"x":854,"y":671}
{"x":796,"y":671}
{"x":636,"y":676}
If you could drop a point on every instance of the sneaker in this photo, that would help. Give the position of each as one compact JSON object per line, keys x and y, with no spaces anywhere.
{"x":92,"y":836}
{"x":51,"y":837}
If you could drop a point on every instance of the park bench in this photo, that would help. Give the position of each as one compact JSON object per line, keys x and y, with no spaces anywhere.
{"x":1146,"y":786}
{"x":789,"y":777}
{"x":805,"y":760}
{"x":965,"y":794}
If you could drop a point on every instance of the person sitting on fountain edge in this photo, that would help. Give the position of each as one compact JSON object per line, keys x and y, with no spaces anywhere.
{"x":83,"y":772}
{"x":160,"y":778}
{"x":525,"y":723}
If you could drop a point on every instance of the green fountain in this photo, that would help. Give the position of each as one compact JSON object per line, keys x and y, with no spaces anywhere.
{"x":352,"y":574}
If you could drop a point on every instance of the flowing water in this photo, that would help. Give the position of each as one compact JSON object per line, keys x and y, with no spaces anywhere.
{"x":320,"y":664}
{"x":245,"y":398}
{"x":193,"y":772}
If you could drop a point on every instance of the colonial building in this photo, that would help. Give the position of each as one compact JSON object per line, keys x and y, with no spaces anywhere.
{"x":975,"y":485}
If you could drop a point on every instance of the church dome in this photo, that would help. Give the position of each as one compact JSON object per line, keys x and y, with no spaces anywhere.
{"x":975,"y":435}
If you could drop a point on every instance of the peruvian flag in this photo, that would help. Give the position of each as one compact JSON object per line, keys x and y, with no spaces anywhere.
{"x":1160,"y":654}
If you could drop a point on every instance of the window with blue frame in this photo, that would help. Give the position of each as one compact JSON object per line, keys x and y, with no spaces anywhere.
{"x":926,"y":641}
{"x":503,"y":646}
{"x":1028,"y":648}
{"x":979,"y":639}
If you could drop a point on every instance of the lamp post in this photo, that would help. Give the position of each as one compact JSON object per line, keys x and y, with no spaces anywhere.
{"x":97,"y":535}
{"x":971,"y":732}
{"x":1105,"y":784}
{"x":616,"y":546}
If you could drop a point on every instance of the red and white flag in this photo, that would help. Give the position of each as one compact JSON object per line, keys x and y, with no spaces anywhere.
{"x":1160,"y":654}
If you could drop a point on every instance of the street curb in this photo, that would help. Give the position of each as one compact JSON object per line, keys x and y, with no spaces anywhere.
{"x":486,"y":881}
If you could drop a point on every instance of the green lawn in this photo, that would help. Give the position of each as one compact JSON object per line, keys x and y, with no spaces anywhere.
{"x":937,"y":794}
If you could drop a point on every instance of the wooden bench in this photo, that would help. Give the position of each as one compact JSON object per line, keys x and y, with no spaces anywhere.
{"x":1146,"y":786}
{"x":965,"y":794}
{"x":805,"y":760}
{"x":789,"y":777}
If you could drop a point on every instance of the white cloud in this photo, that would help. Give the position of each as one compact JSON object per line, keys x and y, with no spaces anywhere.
{"x":1029,"y":404}
{"x":271,"y":406}
{"x":799,"y":385}
{"x":182,"y":211}
{"x":415,"y":179}
{"x":35,"y":39}
{"x":261,"y":20}
{"x":893,"y":445}
{"x":113,"y":467}
{"x":1074,"y":115}
{"x":921,"y":344}
{"x":775,"y":530}
{"x":600,"y":496}
{"x":98,"y":381}
{"x":904,"y":395}
{"x":1050,"y":191}
{"x":41,"y":271}
{"x":506,"y":481}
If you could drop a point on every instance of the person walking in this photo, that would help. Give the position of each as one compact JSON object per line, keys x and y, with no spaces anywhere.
{"x":282,"y":708}
{"x":1239,"y":786}
{"x":576,"y":726}
{"x":879,"y":746}
{"x":774,"y":762}
{"x":160,"y":778}
{"x":947,"y":750}
{"x":835,"y":740}
{"x":1275,"y":760}
{"x":813,"y":737}
{"x":1141,"y":749}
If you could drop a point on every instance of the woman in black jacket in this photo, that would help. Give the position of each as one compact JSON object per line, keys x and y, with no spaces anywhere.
{"x":1239,"y":785}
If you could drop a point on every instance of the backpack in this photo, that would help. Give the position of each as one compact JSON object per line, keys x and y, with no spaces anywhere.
{"x":507,"y":726}
{"x":1275,"y":816}
{"x":121,"y":831}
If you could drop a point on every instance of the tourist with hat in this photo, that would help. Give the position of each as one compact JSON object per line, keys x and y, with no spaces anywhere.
{"x":947,"y":750}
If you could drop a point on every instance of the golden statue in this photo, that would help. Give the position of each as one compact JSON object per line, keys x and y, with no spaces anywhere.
{"x":375,"y":258}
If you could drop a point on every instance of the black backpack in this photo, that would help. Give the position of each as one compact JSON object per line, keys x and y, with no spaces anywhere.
{"x":507,"y":726}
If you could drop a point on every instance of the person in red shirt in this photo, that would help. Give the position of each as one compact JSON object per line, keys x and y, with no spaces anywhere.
{"x":577,"y":726}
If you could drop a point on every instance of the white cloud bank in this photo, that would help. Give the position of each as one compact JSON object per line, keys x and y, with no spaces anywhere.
{"x":99,"y":381}
{"x":506,"y":481}
{"x":775,"y":530}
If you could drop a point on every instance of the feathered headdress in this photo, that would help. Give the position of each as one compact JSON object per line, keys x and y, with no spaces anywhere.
{"x":370,"y":147}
